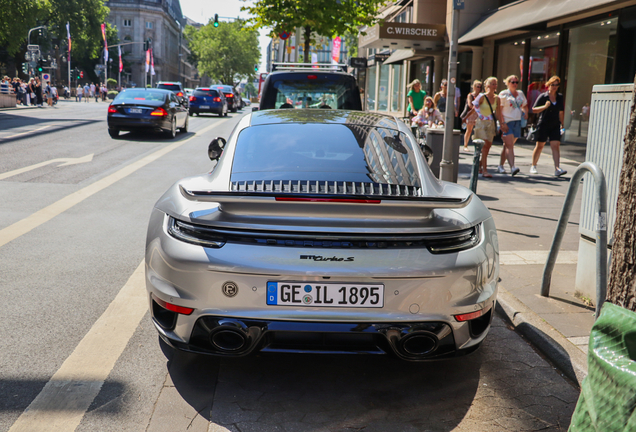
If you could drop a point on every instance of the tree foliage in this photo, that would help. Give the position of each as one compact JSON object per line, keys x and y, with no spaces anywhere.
{"x":84,"y":16}
{"x":324,"y":17}
{"x":621,"y":289}
{"x":226,"y":53}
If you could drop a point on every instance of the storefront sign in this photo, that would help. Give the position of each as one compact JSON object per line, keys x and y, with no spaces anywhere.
{"x":411,"y":31}
{"x":403,"y":35}
{"x":358,"y":62}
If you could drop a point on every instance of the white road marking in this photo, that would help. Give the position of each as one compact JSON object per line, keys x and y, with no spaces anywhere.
{"x":65,"y":162}
{"x":63,"y":401}
{"x":30,"y":131}
{"x":25,"y":225}
{"x":536,"y":257}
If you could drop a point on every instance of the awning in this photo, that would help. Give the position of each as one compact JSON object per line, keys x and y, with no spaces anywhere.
{"x":521,"y":14}
{"x":410,"y":54}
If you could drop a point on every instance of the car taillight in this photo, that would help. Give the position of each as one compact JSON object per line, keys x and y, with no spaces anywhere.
{"x":217,"y":99}
{"x":312,"y":76}
{"x":195,"y":234}
{"x":192,"y":98}
{"x":172,"y":307}
{"x":338,"y":200}
{"x":112,"y":109}
{"x":179,"y":94}
{"x":229,"y":95}
{"x":160,"y":112}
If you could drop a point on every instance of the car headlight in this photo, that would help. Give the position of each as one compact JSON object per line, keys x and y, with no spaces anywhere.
{"x":456,"y":241}
{"x":197,"y":235}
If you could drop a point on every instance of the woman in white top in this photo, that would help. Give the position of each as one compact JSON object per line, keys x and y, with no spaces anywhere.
{"x":514,"y":107}
{"x":428,"y":115}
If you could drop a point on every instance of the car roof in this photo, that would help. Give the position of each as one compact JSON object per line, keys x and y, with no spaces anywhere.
{"x":309,"y":115}
{"x":153,"y":90}
{"x":308,"y":72}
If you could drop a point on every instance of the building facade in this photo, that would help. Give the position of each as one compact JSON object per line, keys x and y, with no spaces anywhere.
{"x":162,"y":23}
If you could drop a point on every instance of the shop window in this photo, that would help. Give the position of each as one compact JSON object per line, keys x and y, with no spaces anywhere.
{"x":399,"y":89}
{"x":371,"y":73}
{"x":383,"y":89}
{"x":626,"y":64}
{"x":509,"y":61}
{"x":591,"y":56}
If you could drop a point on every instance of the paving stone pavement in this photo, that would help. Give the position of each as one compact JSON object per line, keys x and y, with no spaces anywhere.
{"x":504,"y":386}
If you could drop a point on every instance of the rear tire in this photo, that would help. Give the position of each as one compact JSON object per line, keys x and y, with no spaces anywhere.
{"x":114,"y":133}
{"x":190,"y":113}
{"x":172,"y":133}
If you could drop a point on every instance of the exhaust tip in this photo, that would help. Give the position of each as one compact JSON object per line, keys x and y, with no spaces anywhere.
{"x":228,"y":340}
{"x":418,"y":344}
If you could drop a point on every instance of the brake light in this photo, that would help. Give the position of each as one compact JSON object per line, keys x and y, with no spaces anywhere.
{"x":112,"y":109}
{"x":469,"y":316}
{"x":160,"y":112}
{"x":340,"y":200}
{"x":180,"y":94}
{"x":172,"y":307}
{"x":217,"y":99}
{"x":192,"y":98}
{"x":229,"y":95}
{"x":312,"y":76}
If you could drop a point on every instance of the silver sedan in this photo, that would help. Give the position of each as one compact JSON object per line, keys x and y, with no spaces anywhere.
{"x":321,"y":231}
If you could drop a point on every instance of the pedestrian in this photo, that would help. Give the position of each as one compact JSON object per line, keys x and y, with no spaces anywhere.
{"x":38,"y":92}
{"x":87,"y":93}
{"x":550,"y":107}
{"x":429,"y":115}
{"x":54,"y":95}
{"x":415,"y":98}
{"x":80,"y":92}
{"x":23,"y":92}
{"x":48,"y":93}
{"x":514,"y":107}
{"x":487,"y":107}
{"x":440,"y":97}
{"x":31,"y":91}
{"x":4,"y":85}
{"x":470,"y":115}
{"x":96,"y":91}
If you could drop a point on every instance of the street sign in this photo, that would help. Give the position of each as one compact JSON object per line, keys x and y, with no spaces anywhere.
{"x":33,"y":47}
{"x":358,"y":62}
{"x":458,"y":4}
{"x":46,"y":77}
{"x":81,"y":74}
{"x":284,"y":35}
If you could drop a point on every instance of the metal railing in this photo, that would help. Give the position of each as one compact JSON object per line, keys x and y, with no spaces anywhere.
{"x":601,"y":232}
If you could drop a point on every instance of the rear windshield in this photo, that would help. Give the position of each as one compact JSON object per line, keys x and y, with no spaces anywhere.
{"x":335,"y":92}
{"x":173,"y":87}
{"x":325,"y":152}
{"x":212,"y":93}
{"x":225,"y":89}
{"x":141,"y":95}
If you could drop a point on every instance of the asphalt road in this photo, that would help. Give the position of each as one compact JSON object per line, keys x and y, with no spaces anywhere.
{"x":78,"y":350}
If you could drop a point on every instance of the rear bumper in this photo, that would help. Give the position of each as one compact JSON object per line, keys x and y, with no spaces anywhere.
{"x":213,"y":108}
{"x":413,"y":341}
{"x":123,"y":123}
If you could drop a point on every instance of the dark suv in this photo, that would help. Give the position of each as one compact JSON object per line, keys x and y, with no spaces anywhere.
{"x":232,"y":96}
{"x":176,"y":87}
{"x":310,"y":89}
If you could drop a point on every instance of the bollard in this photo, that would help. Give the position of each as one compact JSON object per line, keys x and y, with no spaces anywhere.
{"x":580,"y":122}
{"x":474,"y":175}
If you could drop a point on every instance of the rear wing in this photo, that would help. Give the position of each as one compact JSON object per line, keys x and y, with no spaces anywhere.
{"x":304,"y":67}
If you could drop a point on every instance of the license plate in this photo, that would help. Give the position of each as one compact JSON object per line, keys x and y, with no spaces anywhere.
{"x":325,"y":295}
{"x":204,"y":107}
{"x":135,"y":110}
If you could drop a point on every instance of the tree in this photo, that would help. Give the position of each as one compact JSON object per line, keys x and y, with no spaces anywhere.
{"x":324,"y":17}
{"x":227,"y":53}
{"x":17,"y":17}
{"x":621,"y":288}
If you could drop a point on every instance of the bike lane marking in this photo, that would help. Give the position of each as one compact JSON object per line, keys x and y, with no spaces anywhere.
{"x":33,"y":221}
{"x":63,"y":401}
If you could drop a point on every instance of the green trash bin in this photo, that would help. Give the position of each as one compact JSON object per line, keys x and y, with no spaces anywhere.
{"x":607,"y":402}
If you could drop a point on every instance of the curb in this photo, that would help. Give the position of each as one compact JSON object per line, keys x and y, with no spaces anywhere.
{"x":563,"y":353}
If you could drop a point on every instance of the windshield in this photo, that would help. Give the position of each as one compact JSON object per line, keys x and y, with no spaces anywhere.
{"x":325,"y":152}
{"x":140,"y":95}
{"x":314,"y":91}
{"x":201,"y":93}
{"x":173,"y":87}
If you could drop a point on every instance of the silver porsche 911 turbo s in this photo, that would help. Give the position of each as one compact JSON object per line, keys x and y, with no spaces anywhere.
{"x":321,"y":231}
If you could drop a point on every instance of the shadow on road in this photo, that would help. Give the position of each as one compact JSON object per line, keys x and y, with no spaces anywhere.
{"x":47,"y":126}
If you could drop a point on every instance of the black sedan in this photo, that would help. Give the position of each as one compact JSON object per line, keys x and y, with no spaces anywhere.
{"x":150,"y":109}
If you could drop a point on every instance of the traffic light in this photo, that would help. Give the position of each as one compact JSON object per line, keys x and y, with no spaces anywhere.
{"x":40,"y":66}
{"x":146,"y":45}
{"x":255,"y":68}
{"x":25,"y":68}
{"x":216,"y":20}
{"x":77,"y":72}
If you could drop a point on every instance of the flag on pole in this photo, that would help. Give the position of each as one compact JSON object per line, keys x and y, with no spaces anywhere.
{"x":147,"y":60}
{"x":105,"y":44}
{"x":121,"y":64}
{"x":68,"y":35}
{"x":152,"y":63}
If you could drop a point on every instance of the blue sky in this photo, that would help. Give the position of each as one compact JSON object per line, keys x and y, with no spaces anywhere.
{"x":202,"y":10}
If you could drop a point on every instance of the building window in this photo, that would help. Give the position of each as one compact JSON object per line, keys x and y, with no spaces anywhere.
{"x":398,"y":90}
{"x":127,"y":23}
{"x":383,"y":90}
{"x":149,"y":25}
{"x":371,"y":88}
{"x":591,"y":57}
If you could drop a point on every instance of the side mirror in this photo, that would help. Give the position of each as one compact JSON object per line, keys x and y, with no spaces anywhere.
{"x":215,"y":149}
{"x":254,"y":109}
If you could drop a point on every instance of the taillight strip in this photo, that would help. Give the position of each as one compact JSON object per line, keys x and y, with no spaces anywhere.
{"x":340,"y":200}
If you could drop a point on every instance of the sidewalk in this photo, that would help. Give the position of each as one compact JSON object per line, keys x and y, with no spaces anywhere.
{"x":526,"y":209}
